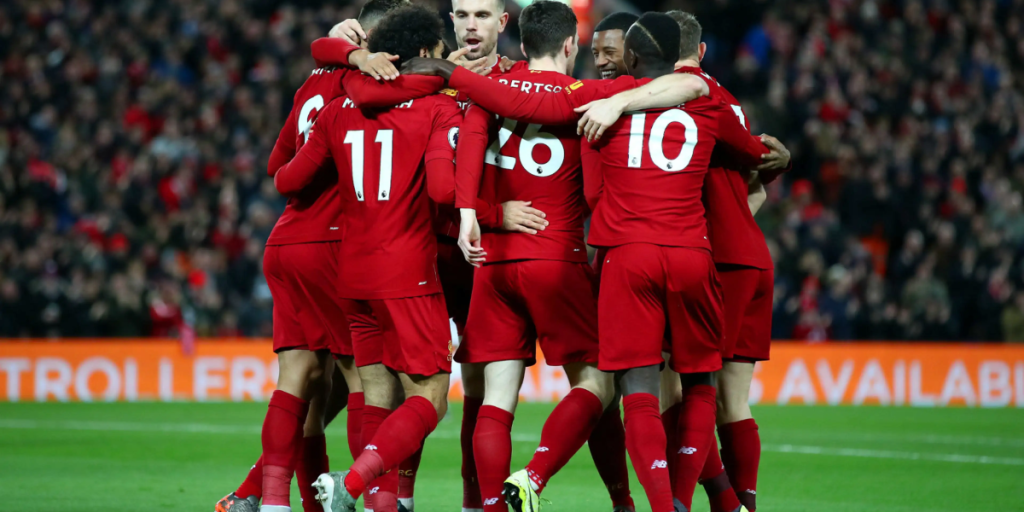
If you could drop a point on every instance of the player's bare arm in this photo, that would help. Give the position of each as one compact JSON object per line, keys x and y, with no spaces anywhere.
{"x":756,"y":194}
{"x":661,"y":92}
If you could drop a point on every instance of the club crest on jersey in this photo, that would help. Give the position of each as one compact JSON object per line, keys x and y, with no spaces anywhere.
{"x":450,"y":92}
{"x":453,"y":136}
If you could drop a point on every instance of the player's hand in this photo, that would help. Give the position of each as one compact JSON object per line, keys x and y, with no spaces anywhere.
{"x":598,"y":116}
{"x":429,"y":67}
{"x":350,"y":31}
{"x":779,"y":156}
{"x":469,"y":238}
{"x":506,"y":64}
{"x":378,"y":65}
{"x":520,"y":217}
{"x":478,"y":66}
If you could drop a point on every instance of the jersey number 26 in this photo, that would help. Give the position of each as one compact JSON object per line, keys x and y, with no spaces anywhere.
{"x":531,"y":138}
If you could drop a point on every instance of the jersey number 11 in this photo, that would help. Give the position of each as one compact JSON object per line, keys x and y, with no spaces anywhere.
{"x":386,"y":140}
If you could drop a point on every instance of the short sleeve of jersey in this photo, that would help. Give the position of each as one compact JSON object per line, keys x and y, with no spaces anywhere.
{"x":444,"y":129}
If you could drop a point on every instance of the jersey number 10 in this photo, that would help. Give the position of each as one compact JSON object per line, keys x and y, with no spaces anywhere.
{"x":638,"y":123}
{"x":386,"y":140}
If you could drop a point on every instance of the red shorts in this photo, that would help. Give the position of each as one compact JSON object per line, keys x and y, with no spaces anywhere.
{"x":748,"y":311}
{"x":517,"y":303}
{"x":307,"y":311}
{"x":410,"y":335}
{"x":651,"y":293}
{"x":456,"y":276}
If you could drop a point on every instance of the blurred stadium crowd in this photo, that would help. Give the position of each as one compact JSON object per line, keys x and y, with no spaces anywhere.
{"x":134,"y":137}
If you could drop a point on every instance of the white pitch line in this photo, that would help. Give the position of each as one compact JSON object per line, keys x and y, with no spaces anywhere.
{"x":206,"y":428}
{"x":909,"y":438}
{"x":888,"y":454}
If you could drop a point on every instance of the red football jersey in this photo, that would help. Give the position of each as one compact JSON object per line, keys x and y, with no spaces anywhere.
{"x":389,"y":248}
{"x":315,"y":214}
{"x":530,"y":162}
{"x":312,"y":215}
{"x":653,"y":165}
{"x":446,"y":218}
{"x":735,"y":237}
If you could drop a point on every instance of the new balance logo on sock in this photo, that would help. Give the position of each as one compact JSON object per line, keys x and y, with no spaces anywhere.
{"x":491,"y":501}
{"x":751,"y":491}
{"x":687,"y":450}
{"x":659,"y":464}
{"x":542,"y":449}
{"x":370,"y":447}
{"x":374,"y":490}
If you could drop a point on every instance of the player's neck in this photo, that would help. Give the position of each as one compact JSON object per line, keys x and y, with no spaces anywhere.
{"x":547,"y":64}
{"x":492,"y":58}
{"x":653,"y":71}
{"x":688,"y":63}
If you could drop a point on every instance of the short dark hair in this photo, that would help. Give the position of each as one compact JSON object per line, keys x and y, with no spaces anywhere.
{"x":374,"y":10}
{"x":655,"y":37}
{"x":406,"y":31}
{"x":689,"y":33}
{"x":544,"y":26}
{"x":617,"y":21}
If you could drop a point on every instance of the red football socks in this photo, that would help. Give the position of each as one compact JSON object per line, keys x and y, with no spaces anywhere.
{"x":741,"y":453}
{"x":470,"y":485}
{"x":608,"y":449}
{"x":407,"y":474}
{"x":384,"y":491}
{"x":564,"y":433}
{"x":696,"y":438}
{"x":282,"y":435}
{"x":253,"y":483}
{"x":400,"y":435}
{"x":373,"y":416}
{"x":645,"y":441}
{"x":354,"y":423}
{"x":492,"y":448}
{"x":716,"y":483}
{"x":312,"y":463}
{"x":670,"y":420}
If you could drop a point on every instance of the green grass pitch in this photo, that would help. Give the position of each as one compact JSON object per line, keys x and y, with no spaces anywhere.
{"x":183,"y":457}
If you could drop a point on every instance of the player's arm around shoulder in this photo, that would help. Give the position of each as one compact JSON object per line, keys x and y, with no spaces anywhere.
{"x":662,"y":92}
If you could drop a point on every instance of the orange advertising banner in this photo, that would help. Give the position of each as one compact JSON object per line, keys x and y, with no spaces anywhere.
{"x":891,"y":374}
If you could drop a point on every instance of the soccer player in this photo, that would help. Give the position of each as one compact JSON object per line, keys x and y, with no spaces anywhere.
{"x":745,"y":269}
{"x":731,"y":195}
{"x":607,"y":46}
{"x":393,"y":299}
{"x":533,"y":285}
{"x":658,"y":273}
{"x":609,"y":37}
{"x":301,"y":267}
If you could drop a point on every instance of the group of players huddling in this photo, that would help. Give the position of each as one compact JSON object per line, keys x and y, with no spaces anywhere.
{"x":447,"y":202}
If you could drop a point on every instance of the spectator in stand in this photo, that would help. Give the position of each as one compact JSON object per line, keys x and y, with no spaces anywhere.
{"x":134,"y":138}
